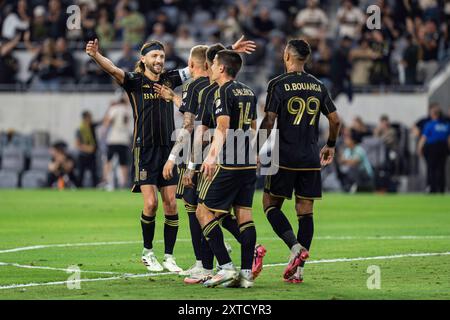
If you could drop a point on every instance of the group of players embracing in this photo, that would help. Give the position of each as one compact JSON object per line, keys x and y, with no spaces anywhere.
{"x":211,"y":168}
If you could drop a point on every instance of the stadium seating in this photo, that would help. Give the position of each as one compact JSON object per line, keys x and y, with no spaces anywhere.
{"x":9,"y":179}
{"x":34,"y":179}
{"x":13,"y":159}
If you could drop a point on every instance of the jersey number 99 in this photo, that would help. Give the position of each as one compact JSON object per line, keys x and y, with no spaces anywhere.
{"x":297,"y":106}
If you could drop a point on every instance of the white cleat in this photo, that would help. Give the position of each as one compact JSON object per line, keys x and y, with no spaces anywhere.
{"x":224,"y":275}
{"x":199,"y":277}
{"x":195,"y":269}
{"x":243,"y":281}
{"x":151,"y":262}
{"x":170,"y":264}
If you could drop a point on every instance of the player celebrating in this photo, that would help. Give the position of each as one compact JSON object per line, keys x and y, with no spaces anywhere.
{"x":153,"y":126}
{"x":229,"y":184}
{"x":296,"y":98}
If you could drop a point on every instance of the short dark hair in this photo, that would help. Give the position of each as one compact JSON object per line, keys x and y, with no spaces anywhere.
{"x":301,"y":48}
{"x":85,"y":114}
{"x":231,"y":60}
{"x":212,"y":51}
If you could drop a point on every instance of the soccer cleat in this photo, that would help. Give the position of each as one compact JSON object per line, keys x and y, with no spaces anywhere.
{"x":170,"y":264}
{"x":224,"y":275}
{"x":200,"y":277}
{"x":297,"y":277}
{"x":195,"y":269}
{"x":241,"y":282}
{"x":151,"y":262}
{"x":259,"y":254}
{"x":295,"y":261}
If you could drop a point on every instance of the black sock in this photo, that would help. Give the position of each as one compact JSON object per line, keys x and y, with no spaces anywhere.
{"x":248,"y":242}
{"x":207,"y":255}
{"x":229,"y":222}
{"x":281,"y":226}
{"x":170,"y":232}
{"x":196,"y":234}
{"x":213,"y":233}
{"x":305,"y":231}
{"x":148,"y":230}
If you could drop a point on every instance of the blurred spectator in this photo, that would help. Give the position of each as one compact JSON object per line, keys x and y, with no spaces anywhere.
{"x":159,"y":34}
{"x":356,"y":170}
{"x":341,"y":69}
{"x":88,"y":22}
{"x":274,"y":54}
{"x":184,"y":42}
{"x":61,"y":169}
{"x":118,"y":121}
{"x":104,"y":30}
{"x":312,"y":21}
{"x":362,"y":57}
{"x":359,"y":130}
{"x":351,"y":20}
{"x":39,"y":27}
{"x":172,"y":61}
{"x":57,"y":20}
{"x":16,"y":21}
{"x":230,"y":25}
{"x":429,"y":41}
{"x":133,"y":26}
{"x":410,"y":61}
{"x":418,"y":127}
{"x":262,"y":24}
{"x":44,"y":68}
{"x":320,"y":63}
{"x":380,"y":71}
{"x":8,"y":63}
{"x":434,"y":146}
{"x":128,"y":59}
{"x":86,"y":143}
{"x":64,"y":62}
{"x":387,"y":133}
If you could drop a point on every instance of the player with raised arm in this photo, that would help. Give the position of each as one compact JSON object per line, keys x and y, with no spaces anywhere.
{"x":197,"y":96}
{"x":296,"y":100}
{"x":153,"y":127}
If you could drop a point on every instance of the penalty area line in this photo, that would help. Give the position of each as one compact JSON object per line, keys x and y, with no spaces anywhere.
{"x":129,"y":276}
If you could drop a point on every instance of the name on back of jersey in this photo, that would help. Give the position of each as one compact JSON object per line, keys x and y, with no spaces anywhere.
{"x":302,"y":86}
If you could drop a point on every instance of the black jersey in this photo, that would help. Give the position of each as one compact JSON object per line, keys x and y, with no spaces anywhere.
{"x":191,"y":93}
{"x":205,"y":104}
{"x":153,"y":116}
{"x":236,"y":100}
{"x":297,"y":98}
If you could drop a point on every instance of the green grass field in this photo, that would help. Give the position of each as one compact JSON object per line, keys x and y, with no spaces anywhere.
{"x":389,"y":228}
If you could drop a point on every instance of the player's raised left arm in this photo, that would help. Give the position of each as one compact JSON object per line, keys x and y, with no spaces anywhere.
{"x":244,"y":46}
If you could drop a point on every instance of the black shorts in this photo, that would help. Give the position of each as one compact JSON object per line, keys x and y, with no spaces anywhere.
{"x":189,"y":195}
{"x":307,"y":184}
{"x":121,"y":151}
{"x":148,"y":166}
{"x":229,"y":188}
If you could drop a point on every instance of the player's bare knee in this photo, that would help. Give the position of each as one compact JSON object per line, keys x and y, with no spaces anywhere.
{"x":150,"y":207}
{"x":304,"y":206}
{"x":170,"y":206}
{"x":269,"y":201}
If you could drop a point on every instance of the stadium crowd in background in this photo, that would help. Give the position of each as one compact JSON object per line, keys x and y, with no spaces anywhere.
{"x":413,"y":38}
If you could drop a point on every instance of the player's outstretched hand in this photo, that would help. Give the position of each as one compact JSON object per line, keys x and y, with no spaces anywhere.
{"x":244,"y":46}
{"x":187,"y":178}
{"x":326,"y":155}
{"x":164,"y":91}
{"x":92,"y":48}
{"x":168,"y":170}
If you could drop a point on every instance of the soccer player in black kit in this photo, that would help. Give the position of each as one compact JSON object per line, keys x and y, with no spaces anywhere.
{"x":229,"y":183}
{"x":152,"y":143}
{"x":296,"y":100}
{"x":153,"y":127}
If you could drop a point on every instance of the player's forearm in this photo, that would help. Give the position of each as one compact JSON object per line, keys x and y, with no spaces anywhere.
{"x":335,"y":124}
{"x":197,"y":147}
{"x":265,"y":129}
{"x":218,"y":141}
{"x":177,"y":100}
{"x":184,"y":136}
{"x":109,"y":67}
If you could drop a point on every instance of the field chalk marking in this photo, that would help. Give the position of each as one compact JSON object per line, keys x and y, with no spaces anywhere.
{"x":396,"y":256}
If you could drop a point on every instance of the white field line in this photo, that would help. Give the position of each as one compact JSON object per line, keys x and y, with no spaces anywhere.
{"x":25,"y":266}
{"x":64,"y":245}
{"x":396,"y":256}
